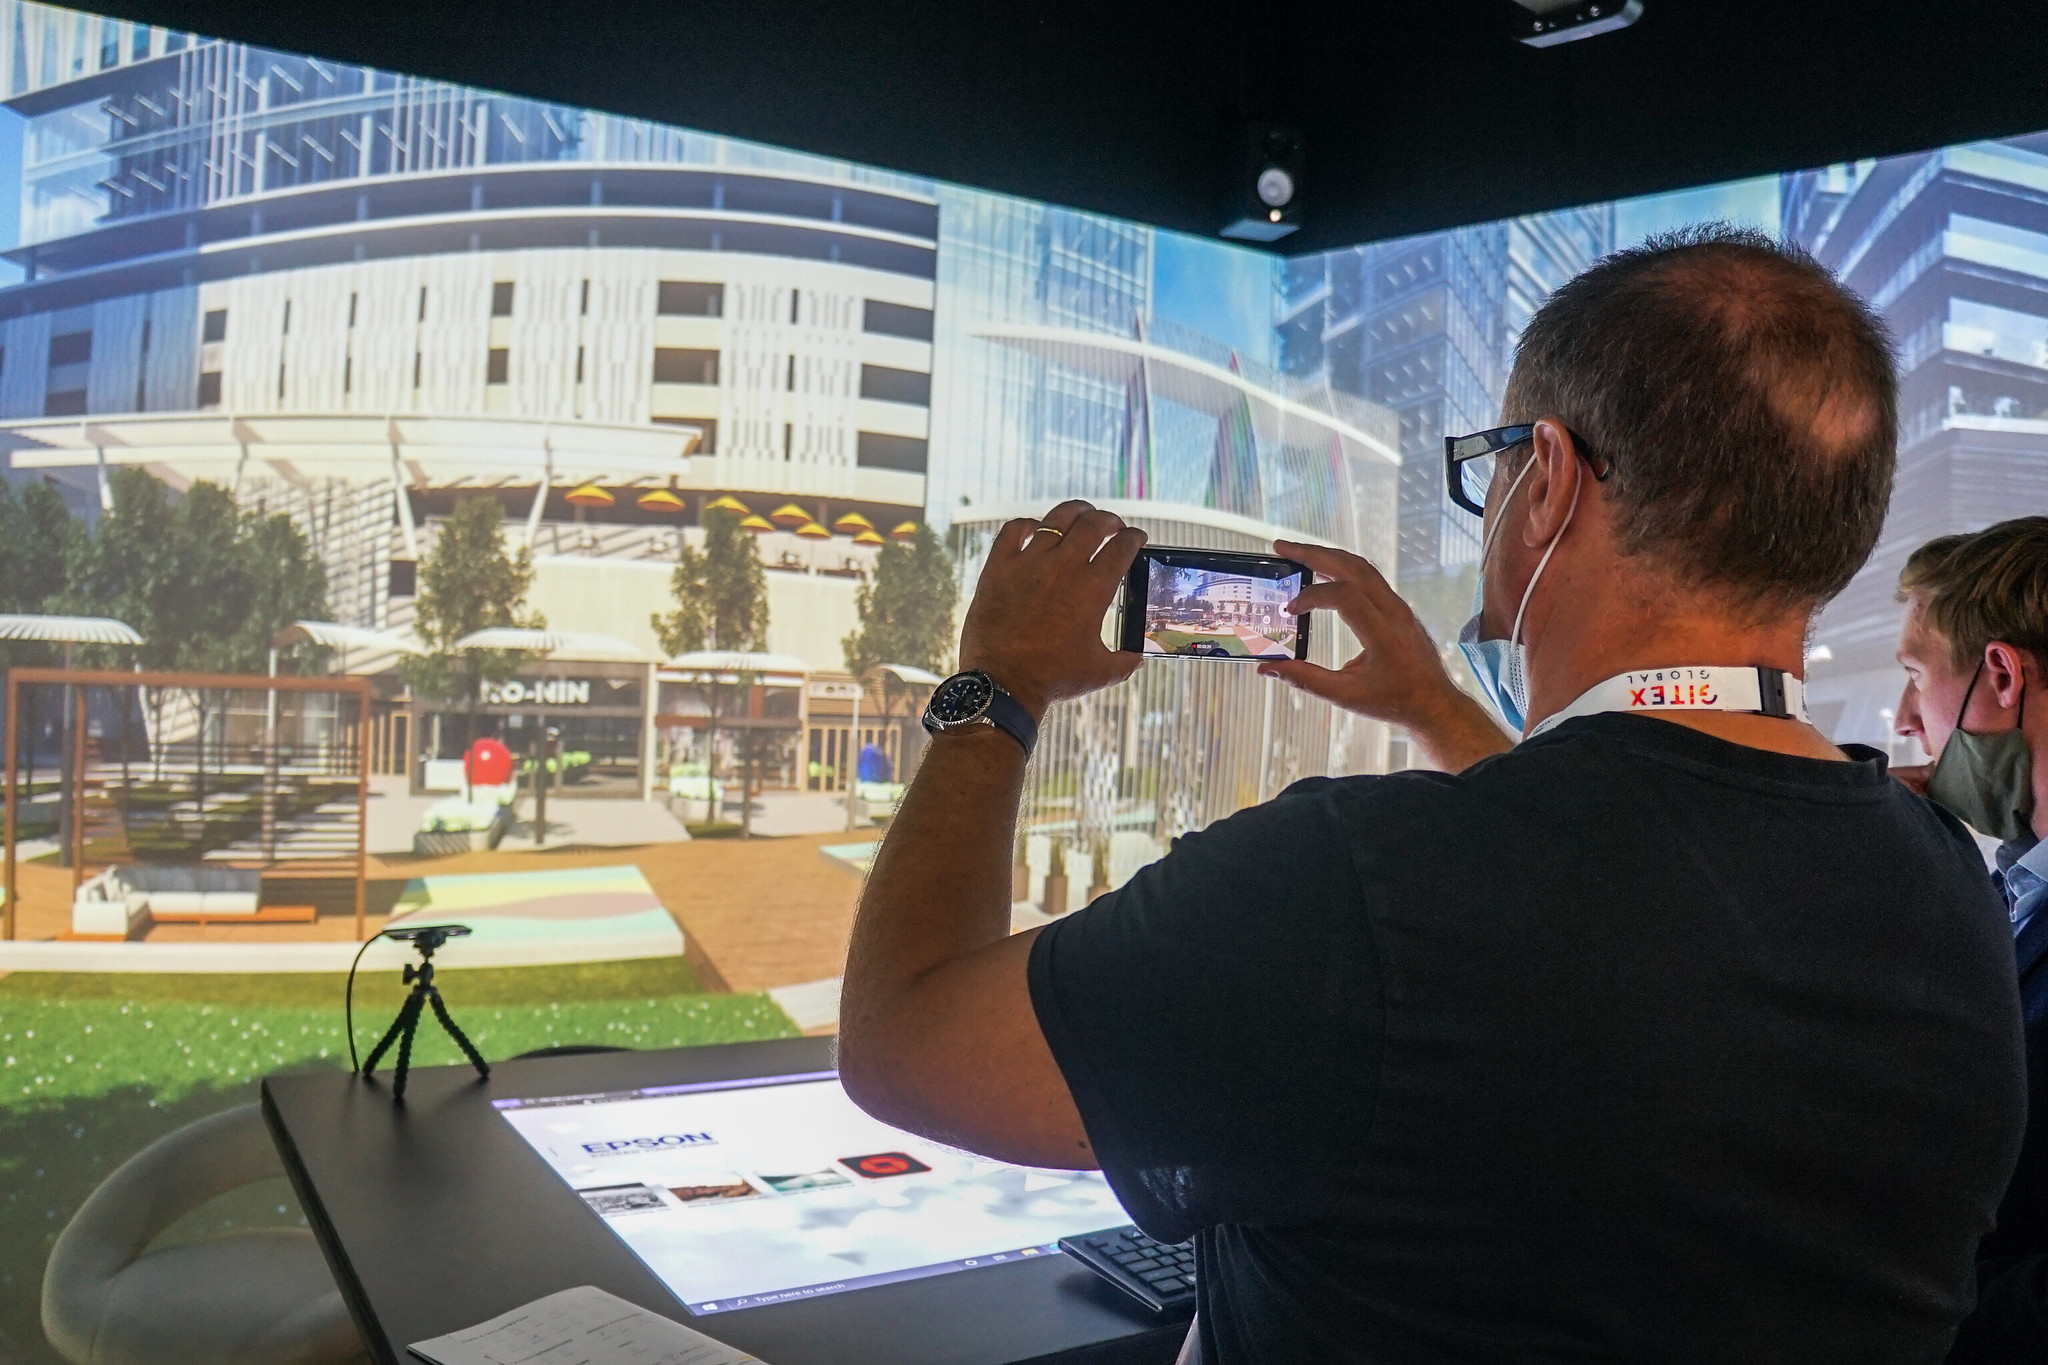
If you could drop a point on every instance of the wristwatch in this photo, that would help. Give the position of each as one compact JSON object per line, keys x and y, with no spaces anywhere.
{"x":972,"y":698}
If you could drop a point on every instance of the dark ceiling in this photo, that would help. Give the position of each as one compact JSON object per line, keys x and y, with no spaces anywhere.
{"x":1416,"y":116}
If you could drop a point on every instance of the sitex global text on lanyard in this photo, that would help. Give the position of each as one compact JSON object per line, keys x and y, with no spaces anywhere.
{"x":1757,"y":691}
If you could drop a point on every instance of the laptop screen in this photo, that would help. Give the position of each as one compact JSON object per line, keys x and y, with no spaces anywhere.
{"x":745,"y":1193}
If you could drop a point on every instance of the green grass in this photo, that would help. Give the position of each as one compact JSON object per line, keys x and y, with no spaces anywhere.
{"x":95,"y":1066}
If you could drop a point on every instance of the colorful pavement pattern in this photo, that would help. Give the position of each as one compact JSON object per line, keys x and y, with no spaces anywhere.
{"x":611,"y":904}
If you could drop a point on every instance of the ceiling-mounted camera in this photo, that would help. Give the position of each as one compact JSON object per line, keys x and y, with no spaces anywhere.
{"x":1546,"y":23}
{"x":1265,"y":191}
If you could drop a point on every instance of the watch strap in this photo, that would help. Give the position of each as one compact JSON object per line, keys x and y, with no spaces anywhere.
{"x":1007,"y":714}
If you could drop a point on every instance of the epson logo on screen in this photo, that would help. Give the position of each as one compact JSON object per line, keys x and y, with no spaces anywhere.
{"x":621,"y":1146}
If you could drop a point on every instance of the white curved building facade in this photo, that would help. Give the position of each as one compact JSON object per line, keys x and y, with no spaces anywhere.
{"x":356,"y":296}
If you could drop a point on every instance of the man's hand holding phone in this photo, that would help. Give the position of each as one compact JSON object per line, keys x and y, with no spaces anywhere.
{"x":1397,"y":676}
{"x":1035,"y":625}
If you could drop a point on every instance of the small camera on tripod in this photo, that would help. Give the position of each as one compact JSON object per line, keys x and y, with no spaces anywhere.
{"x":425,"y":941}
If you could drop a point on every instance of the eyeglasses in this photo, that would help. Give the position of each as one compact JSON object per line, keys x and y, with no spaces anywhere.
{"x":1469,"y":462}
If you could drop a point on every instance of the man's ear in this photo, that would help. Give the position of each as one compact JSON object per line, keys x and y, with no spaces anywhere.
{"x":1553,"y":484}
{"x":2007,"y":669}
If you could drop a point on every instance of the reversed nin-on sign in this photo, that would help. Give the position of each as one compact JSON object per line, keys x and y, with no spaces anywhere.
{"x":880,"y":1165}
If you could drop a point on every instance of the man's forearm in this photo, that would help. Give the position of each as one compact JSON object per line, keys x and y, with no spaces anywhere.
{"x":940,"y":886}
{"x":1454,"y":732}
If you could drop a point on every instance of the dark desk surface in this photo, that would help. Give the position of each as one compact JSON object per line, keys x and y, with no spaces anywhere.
{"x":436,"y":1215}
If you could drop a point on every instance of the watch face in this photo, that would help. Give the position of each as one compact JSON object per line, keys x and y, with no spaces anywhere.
{"x":960,"y":698}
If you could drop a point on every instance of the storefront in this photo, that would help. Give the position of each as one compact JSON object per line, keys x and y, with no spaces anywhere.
{"x":598,"y":712}
{"x":744,"y":728}
{"x":890,"y":733}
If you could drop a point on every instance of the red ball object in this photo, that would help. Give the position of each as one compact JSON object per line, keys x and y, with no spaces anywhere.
{"x":488,"y":764}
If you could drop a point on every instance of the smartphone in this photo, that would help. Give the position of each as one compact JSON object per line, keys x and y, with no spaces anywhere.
{"x":1212,"y":604}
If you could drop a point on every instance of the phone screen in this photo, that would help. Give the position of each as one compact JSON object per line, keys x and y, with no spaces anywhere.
{"x":1212,"y":604}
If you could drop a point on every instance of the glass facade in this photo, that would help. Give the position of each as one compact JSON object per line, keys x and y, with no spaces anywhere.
{"x":1951,"y":246}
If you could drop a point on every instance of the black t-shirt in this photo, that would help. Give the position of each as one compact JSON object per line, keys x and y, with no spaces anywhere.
{"x":1629,"y":1045}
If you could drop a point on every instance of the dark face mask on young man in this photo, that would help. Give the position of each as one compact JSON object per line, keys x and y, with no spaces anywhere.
{"x":1987,"y":781}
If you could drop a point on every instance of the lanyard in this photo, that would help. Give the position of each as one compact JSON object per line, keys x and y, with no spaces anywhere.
{"x":1759,"y":691}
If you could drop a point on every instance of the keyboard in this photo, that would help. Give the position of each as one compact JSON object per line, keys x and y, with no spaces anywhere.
{"x":1160,"y":1276}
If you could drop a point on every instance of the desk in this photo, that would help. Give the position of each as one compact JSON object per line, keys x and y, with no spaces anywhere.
{"x":436,"y":1215}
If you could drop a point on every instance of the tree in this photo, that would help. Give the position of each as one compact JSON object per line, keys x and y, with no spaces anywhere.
{"x":906,"y":615}
{"x":287,"y":584}
{"x":37,"y":536}
{"x":721,"y":596}
{"x":37,"y":532}
{"x":467,"y":583}
{"x":204,"y":583}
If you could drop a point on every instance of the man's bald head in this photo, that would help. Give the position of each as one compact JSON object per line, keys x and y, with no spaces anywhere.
{"x":1745,"y":400}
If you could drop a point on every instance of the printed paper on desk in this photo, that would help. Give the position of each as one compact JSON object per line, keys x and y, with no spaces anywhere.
{"x":583,"y":1326}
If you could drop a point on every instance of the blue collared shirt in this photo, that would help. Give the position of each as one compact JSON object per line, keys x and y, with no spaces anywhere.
{"x":2023,"y":877}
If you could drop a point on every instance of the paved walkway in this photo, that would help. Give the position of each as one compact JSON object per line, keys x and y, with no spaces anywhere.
{"x":395,"y":817}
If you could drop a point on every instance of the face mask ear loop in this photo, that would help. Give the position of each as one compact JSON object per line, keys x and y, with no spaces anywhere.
{"x":1515,"y":635}
{"x":1486,"y":546}
{"x":1971,"y":690}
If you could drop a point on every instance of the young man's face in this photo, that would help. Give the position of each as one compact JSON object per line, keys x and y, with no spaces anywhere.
{"x":1935,"y":686}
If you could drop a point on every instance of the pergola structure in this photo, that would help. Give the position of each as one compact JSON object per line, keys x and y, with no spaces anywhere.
{"x":344,"y":763}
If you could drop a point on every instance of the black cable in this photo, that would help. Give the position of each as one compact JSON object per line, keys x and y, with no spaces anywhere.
{"x":348,"y":1006}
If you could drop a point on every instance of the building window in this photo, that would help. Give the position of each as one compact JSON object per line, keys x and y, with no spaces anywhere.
{"x":685,"y":299}
{"x":796,"y":298}
{"x":896,"y":320}
{"x":788,"y":439}
{"x":141,"y":394}
{"x":579,"y":364}
{"x":209,"y":389}
{"x":707,"y":444}
{"x":501,"y":299}
{"x":423,"y":303}
{"x":351,"y":310}
{"x":498,"y":366}
{"x":72,"y":348}
{"x":145,"y":336}
{"x":675,"y":365}
{"x":404,"y":578}
{"x":280,"y":379}
{"x":789,"y":382}
{"x":583,"y":308}
{"x":416,"y":366}
{"x":69,"y":403}
{"x":215,"y":328}
{"x":287,"y":317}
{"x":890,"y":385}
{"x":348,"y":373}
{"x":877,"y":451}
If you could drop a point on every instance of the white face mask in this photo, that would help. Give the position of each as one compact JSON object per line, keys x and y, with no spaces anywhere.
{"x":1502,"y":666}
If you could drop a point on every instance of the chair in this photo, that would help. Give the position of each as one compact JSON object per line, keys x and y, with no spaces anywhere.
{"x":258,"y":1297}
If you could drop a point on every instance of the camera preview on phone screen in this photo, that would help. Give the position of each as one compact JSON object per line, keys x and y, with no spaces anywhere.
{"x":1211,"y":604}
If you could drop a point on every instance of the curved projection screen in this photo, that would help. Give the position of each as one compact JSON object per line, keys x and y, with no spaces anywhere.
{"x":718,"y":433}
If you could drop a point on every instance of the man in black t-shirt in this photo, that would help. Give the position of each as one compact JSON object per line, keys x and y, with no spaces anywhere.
{"x":1672,"y":1033}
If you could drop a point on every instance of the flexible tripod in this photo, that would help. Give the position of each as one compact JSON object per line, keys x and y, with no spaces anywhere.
{"x":424,"y":993}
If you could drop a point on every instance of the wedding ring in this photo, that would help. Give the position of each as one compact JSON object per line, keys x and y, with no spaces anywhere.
{"x":1049,"y":531}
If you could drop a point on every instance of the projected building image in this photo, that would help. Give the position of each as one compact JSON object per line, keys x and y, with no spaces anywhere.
{"x":362,"y":298}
